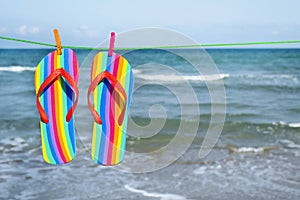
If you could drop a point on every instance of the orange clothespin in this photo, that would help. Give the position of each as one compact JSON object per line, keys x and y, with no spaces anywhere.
{"x":57,"y":40}
{"x":111,"y":43}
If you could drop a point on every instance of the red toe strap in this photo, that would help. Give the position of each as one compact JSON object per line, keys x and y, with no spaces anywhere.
{"x":115,"y":85}
{"x":49,"y":81}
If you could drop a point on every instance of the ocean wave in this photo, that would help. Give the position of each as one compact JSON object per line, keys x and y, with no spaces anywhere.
{"x":22,"y":123}
{"x":204,"y":169}
{"x":264,"y":79}
{"x":255,"y":150}
{"x":16,"y":144}
{"x":155,"y":195}
{"x":17,"y":69}
{"x":173,"y":77}
{"x":272,"y":80}
{"x":294,"y":125}
{"x":231,"y":122}
{"x":266,"y":76}
{"x":289,"y":144}
{"x":136,"y":71}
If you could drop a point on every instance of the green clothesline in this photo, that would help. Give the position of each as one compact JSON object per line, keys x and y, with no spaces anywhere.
{"x":157,"y":47}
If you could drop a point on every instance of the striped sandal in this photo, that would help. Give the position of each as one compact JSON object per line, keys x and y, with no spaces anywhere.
{"x":111,"y":86}
{"x":56,"y":79}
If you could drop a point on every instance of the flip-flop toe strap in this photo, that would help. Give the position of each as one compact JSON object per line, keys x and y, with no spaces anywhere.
{"x":49,"y":81}
{"x":115,"y":85}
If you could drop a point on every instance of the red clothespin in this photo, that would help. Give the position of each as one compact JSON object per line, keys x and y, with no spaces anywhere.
{"x":111,"y":43}
{"x":57,"y":41}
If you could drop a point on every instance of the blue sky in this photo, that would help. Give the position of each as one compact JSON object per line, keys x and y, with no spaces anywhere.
{"x":90,"y":22}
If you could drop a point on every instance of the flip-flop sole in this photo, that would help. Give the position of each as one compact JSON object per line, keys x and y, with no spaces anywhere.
{"x":109,"y":138}
{"x":58,"y":135}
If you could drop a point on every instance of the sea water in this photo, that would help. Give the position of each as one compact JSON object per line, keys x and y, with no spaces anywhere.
{"x":257,"y":155}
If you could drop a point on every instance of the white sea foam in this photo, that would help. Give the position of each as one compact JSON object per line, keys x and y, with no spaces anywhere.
{"x":155,"y":195}
{"x":279,"y":123}
{"x":249,"y":149}
{"x":200,"y":170}
{"x":173,"y":77}
{"x":136,"y":71}
{"x":289,"y":144}
{"x":294,"y":125}
{"x":204,"y":169}
{"x":13,"y":141}
{"x":17,"y":69}
{"x":14,"y":144}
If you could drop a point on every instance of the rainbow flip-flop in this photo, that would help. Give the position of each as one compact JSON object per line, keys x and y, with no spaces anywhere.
{"x":111,"y":86}
{"x":55,"y":80}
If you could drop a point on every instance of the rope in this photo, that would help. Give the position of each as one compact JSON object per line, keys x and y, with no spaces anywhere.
{"x":27,"y":41}
{"x":156,"y":47}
